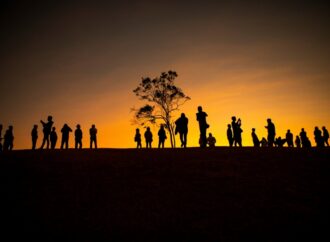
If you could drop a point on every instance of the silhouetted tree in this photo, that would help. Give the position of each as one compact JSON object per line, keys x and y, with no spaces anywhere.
{"x":163,"y":99}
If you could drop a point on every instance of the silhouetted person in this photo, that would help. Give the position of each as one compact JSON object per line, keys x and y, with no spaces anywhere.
{"x":271,"y":132}
{"x":162,"y":136}
{"x":305,"y":142}
{"x":289,"y":138}
{"x":1,"y":137}
{"x":237,"y":131}
{"x":264,"y":142}
{"x":92,"y":133}
{"x":47,"y":127}
{"x":203,"y":126}
{"x":325,"y":135}
{"x":230,"y":136}
{"x":78,"y":135}
{"x":318,"y":137}
{"x":297,"y":142}
{"x":34,"y":136}
{"x":53,"y":138}
{"x":211,"y":140}
{"x":65,"y":136}
{"x":181,"y":127}
{"x":137,"y":138}
{"x":148,"y":137}
{"x":279,"y":142}
{"x":256,"y":142}
{"x":8,"y":143}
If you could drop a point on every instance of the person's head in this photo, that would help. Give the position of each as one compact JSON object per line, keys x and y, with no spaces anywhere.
{"x":210,"y":134}
{"x":253,"y":129}
{"x":233,"y":118}
{"x":93,"y":126}
{"x":0,"y":126}
{"x":229,"y":126}
{"x":148,"y":129}
{"x":183,"y":115}
{"x":200,"y":109}
{"x":50,"y":118}
{"x":10,"y":127}
{"x":322,"y":127}
{"x":35,"y":126}
{"x":302,"y":129}
{"x":269,"y":120}
{"x":288,"y":131}
{"x":316,"y":128}
{"x":54,"y":129}
{"x":78,"y":126}
{"x":137,"y":131}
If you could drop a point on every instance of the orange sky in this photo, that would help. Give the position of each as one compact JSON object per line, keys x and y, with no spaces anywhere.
{"x":80,"y":64}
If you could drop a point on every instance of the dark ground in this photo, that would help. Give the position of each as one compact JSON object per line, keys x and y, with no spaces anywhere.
{"x":219,"y":194}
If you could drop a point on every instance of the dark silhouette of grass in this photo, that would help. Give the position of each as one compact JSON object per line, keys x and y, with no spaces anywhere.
{"x":220,"y":194}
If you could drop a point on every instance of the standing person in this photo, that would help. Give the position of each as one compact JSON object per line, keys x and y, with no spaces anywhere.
{"x":318,"y":137}
{"x":137,"y":138}
{"x":1,"y":137}
{"x":47,"y":127}
{"x":148,"y":137}
{"x":230,"y":135}
{"x":305,"y":142}
{"x":211,"y":140}
{"x":78,"y":135}
{"x":181,"y":127}
{"x":237,"y":131}
{"x":8,"y":143}
{"x":34,"y":136}
{"x":65,"y":136}
{"x":271,"y":132}
{"x":325,"y":135}
{"x":289,"y":138}
{"x":92,"y":133}
{"x":203,"y":126}
{"x":256,"y":142}
{"x":297,"y":142}
{"x":53,"y":138}
{"x":162,"y":136}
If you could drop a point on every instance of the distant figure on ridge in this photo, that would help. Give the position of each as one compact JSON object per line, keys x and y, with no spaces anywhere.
{"x":162,"y":136}
{"x":271,"y":132}
{"x":65,"y":136}
{"x":1,"y":137}
{"x":279,"y":142}
{"x":289,"y":138}
{"x":211,"y":140}
{"x":230,"y":136}
{"x":305,"y":142}
{"x":325,"y":135}
{"x":8,"y":143}
{"x":92,"y":133}
{"x":297,"y":142}
{"x":203,"y":126}
{"x":47,"y":127}
{"x":318,"y":137}
{"x":181,"y":127}
{"x":148,"y":137}
{"x":237,"y":131}
{"x":78,"y":135}
{"x":34,"y":136}
{"x":53,"y":138}
{"x":264,"y":142}
{"x":137,"y":138}
{"x":256,"y":142}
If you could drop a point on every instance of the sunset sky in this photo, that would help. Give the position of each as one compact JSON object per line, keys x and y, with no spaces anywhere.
{"x":80,"y":60}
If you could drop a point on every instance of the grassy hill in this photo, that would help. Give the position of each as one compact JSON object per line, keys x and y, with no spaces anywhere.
{"x":221,"y":194}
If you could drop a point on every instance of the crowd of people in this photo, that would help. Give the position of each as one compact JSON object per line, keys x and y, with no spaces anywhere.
{"x":234,"y":135}
{"x":49,"y":139}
